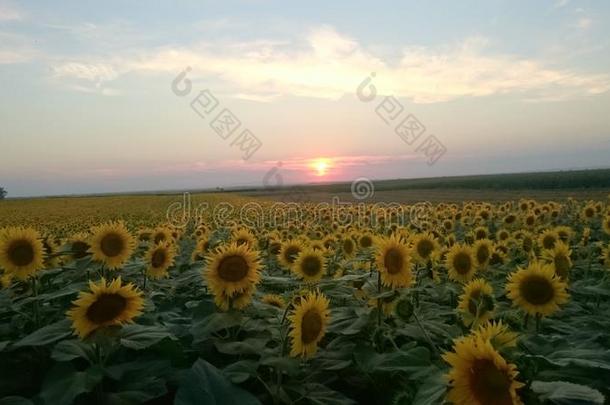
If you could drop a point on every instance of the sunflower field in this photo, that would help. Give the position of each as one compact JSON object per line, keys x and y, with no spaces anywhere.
{"x":477,"y":304}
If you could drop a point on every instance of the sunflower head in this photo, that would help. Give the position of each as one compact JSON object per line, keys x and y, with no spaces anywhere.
{"x":393,"y":260}
{"x":497,"y":334}
{"x":308,"y":324}
{"x":559,"y":258}
{"x":160,"y":258}
{"x":309,"y":265}
{"x":80,"y":245}
{"x":112,"y":244}
{"x":107,"y":304}
{"x":274,"y":300}
{"x":21,"y":252}
{"x":289,"y":253}
{"x":461,"y":263}
{"x":548,"y":238}
{"x":476,"y":304}
{"x":479,"y":375}
{"x":243,"y":236}
{"x":232,"y":269}
{"x":425,"y":247}
{"x":536,"y":289}
{"x":482,"y":252}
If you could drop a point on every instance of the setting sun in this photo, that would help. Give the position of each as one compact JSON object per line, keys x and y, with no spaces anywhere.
{"x":321,"y":166}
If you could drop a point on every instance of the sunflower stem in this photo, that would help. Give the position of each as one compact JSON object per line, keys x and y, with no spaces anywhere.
{"x":34,"y":286}
{"x":538,"y":323}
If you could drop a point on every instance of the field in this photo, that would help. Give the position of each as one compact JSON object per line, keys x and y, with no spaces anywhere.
{"x":481,"y":295}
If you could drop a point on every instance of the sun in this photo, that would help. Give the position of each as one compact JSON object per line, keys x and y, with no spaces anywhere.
{"x":320,"y":166}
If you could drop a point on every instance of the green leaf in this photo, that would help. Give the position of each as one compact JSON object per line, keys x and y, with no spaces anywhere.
{"x":202,"y":329}
{"x":140,"y":337}
{"x":565,"y":393}
{"x":15,"y":401}
{"x":68,"y":350}
{"x":432,"y":390}
{"x":319,"y":394}
{"x":247,"y":346}
{"x":240,"y":371}
{"x":410,"y":361}
{"x":63,"y":383}
{"x":204,"y":384}
{"x":47,"y":335}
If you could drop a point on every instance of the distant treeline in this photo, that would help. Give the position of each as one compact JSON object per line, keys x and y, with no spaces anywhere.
{"x":573,"y":179}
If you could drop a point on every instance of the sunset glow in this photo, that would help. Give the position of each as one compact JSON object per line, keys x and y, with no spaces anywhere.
{"x":321,"y":166}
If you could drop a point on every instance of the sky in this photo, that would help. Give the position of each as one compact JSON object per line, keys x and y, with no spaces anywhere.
{"x":148,"y":95}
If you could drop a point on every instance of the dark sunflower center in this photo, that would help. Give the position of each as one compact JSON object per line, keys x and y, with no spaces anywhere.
{"x":106,"y":308}
{"x":393,"y":261}
{"x":79,"y":249}
{"x":530,"y":220}
{"x":242,"y":241}
{"x":548,"y":242}
{"x":537,"y":290}
{"x":366,"y":241}
{"x":291,"y":253}
{"x":311,"y":265}
{"x":348,"y":246}
{"x":462,"y":263}
{"x":158,"y":258}
{"x":233,"y":268}
{"x":160,"y":237}
{"x":483,"y":254}
{"x":112,"y":245}
{"x":21,"y":252}
{"x":488,"y":384}
{"x":589,"y":212}
{"x":311,"y":326}
{"x":562,"y":266}
{"x":473,"y":302}
{"x":424,"y":248}
{"x":275,"y":248}
{"x":481,"y":234}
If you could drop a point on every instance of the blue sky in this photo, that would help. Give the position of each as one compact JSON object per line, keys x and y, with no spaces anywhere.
{"x":504,"y":86}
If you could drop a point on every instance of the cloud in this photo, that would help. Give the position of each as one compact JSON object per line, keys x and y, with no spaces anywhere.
{"x":584,"y":23}
{"x":15,"y":49}
{"x":326,"y":64}
{"x":8,"y":12}
{"x":87,"y":77}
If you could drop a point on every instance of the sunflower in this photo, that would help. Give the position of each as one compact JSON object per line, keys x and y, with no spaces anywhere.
{"x":233,"y":268}
{"x":108,"y":304}
{"x":497,"y":334}
{"x":536,"y":289}
{"x":201,"y":248}
{"x":481,"y":232}
{"x":79,"y":245}
{"x":161,"y":234}
{"x":160,"y":257}
{"x":393,"y":259}
{"x":482,"y":252}
{"x":244,"y":237}
{"x":606,"y":256}
{"x":476,"y":304}
{"x":365,"y":240}
{"x":559,"y":257}
{"x":112,"y":244}
{"x":238,"y":300}
{"x":274,"y":300}
{"x":348,"y":247}
{"x":461,"y":263}
{"x":309,"y":265}
{"x":21,"y":252}
{"x":548,"y":238}
{"x":479,"y":375}
{"x":308,"y":324}
{"x":289,"y":252}
{"x":425,"y":247}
